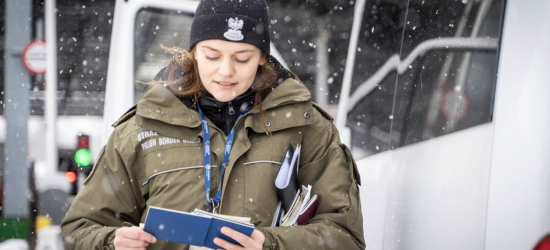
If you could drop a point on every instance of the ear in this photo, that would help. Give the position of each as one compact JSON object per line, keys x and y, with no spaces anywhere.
{"x":263,"y":59}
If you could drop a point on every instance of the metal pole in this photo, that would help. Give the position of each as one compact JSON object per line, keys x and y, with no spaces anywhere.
{"x":39,"y":28}
{"x":51,"y":88}
{"x":321,"y":88}
{"x":17,"y":106}
{"x":348,"y":73}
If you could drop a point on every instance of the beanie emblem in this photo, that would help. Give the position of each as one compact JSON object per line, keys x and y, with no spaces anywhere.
{"x":234,"y":31}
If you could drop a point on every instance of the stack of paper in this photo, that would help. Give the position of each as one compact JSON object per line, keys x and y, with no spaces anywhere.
{"x":296,"y":206}
{"x":302,"y":209}
{"x":287,"y":178}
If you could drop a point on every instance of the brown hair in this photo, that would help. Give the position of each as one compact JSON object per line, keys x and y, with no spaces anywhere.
{"x":182,"y":77}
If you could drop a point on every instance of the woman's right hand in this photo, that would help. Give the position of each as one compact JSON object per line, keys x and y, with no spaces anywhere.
{"x":132,"y":238}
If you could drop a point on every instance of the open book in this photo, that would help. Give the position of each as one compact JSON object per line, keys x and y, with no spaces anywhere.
{"x":296,"y":206}
{"x":198,"y":228}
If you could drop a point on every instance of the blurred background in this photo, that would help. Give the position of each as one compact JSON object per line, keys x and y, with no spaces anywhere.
{"x":83,"y":44}
{"x":414,"y":99}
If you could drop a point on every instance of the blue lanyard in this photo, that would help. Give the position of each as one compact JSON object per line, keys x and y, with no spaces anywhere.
{"x":208,"y":158}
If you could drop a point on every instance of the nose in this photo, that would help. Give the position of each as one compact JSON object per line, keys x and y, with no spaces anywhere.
{"x":226,"y":68}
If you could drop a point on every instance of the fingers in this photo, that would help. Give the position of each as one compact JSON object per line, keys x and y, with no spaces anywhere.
{"x":225,"y":245}
{"x":132,"y":237}
{"x":258,"y":236}
{"x":243,"y":239}
{"x":121,"y":243}
{"x":254,"y":242}
{"x":138,"y":234}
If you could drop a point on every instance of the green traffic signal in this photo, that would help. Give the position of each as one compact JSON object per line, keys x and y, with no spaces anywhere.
{"x":82,"y":157}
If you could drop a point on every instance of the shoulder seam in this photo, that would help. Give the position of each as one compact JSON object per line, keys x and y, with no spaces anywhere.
{"x":327,"y":126}
{"x":323,"y":112}
{"x":119,"y":130}
{"x":126,"y":116}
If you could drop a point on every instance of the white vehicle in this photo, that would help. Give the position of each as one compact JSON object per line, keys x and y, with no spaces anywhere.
{"x":445,"y":108}
{"x":451,"y":150}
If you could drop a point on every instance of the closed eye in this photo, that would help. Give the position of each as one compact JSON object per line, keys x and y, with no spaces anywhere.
{"x":242,"y":61}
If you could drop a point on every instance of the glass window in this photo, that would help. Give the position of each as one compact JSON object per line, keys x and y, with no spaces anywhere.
{"x":313,"y":38}
{"x":83,"y":40}
{"x":444,"y":79}
{"x":155,"y":27}
{"x":379,"y":43}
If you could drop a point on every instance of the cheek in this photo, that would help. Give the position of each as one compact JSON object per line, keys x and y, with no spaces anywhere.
{"x":204,"y":72}
{"x":249,"y":73}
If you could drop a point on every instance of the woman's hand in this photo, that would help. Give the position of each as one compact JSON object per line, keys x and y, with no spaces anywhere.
{"x":132,"y":238}
{"x":255,"y":241}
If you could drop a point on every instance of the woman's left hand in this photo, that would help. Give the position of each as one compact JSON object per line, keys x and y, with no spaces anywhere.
{"x":255,"y":241}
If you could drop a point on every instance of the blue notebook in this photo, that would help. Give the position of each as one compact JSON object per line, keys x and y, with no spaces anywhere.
{"x":189,"y":228}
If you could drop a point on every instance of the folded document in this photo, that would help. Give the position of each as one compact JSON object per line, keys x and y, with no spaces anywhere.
{"x":287,"y":177}
{"x":198,"y":228}
{"x":296,"y":206}
{"x":302,"y":209}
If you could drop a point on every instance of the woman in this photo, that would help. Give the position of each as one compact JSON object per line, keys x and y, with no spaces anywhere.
{"x":159,"y":155}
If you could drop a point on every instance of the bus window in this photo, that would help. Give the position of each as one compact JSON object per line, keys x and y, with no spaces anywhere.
{"x":155,"y":27}
{"x":370,"y":121}
{"x":450,"y":88}
{"x":379,"y":39}
{"x":438,"y":78}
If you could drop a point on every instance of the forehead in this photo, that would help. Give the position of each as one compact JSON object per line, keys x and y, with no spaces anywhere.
{"x":226,"y":46}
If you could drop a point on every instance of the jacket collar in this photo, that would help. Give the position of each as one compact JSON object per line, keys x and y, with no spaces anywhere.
{"x":160,"y":110}
{"x":208,"y":101}
{"x":224,"y":114}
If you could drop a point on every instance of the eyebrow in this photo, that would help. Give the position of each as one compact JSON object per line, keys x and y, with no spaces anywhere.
{"x":240,"y":51}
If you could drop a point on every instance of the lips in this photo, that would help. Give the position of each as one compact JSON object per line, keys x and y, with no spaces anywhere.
{"x":225,"y":83}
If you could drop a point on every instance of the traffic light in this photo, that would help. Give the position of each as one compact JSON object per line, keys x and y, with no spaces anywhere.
{"x":82,"y":156}
{"x":80,"y":164}
{"x":72,"y":178}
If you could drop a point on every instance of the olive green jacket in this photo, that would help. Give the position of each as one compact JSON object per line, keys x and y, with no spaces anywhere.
{"x":154,"y":157}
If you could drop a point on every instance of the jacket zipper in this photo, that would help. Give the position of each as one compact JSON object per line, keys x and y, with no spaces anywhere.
{"x":229,"y":115}
{"x":231,"y":111}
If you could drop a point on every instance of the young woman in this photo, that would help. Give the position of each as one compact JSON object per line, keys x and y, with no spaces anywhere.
{"x":227,"y":111}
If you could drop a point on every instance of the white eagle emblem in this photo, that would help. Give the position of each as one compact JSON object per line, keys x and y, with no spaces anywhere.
{"x":234,"y":31}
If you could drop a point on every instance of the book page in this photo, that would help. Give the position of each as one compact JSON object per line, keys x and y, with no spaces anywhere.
{"x":199,"y":248}
{"x":244,"y":220}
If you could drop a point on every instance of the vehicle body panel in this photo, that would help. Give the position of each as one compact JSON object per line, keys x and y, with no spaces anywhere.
{"x":482,"y":187}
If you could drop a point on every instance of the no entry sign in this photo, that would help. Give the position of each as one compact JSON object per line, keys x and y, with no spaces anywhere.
{"x":34,"y":57}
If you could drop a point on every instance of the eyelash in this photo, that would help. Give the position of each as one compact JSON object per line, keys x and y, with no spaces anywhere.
{"x":242,"y":62}
{"x":238,"y":61}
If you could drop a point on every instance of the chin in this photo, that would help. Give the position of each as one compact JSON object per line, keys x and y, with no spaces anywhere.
{"x":224,"y":98}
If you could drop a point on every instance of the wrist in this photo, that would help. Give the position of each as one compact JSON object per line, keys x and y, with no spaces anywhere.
{"x":269,"y":242}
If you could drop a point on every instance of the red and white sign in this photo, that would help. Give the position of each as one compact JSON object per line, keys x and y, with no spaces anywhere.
{"x":34,"y":57}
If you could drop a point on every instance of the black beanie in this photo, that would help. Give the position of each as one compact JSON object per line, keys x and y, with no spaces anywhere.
{"x":242,"y":21}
